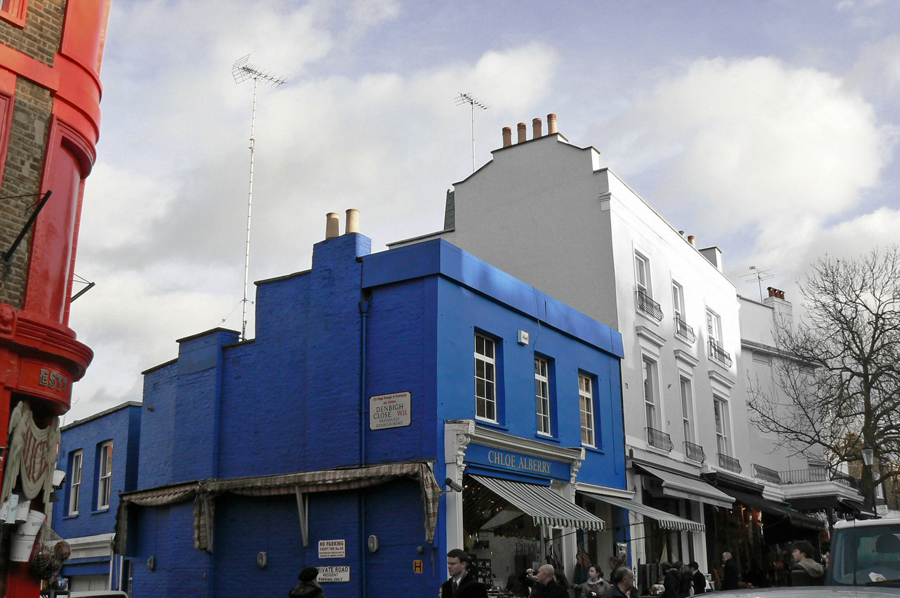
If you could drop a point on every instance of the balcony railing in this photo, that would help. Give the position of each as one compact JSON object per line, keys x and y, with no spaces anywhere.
{"x":729,"y":463}
{"x":694,"y":452}
{"x":659,"y":439}
{"x":766,"y":474}
{"x":718,"y":353}
{"x":684,"y":330}
{"x":648,"y":305}
{"x":816,"y":475}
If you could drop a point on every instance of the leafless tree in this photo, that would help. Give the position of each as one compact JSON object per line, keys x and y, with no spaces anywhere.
{"x":837,"y":381}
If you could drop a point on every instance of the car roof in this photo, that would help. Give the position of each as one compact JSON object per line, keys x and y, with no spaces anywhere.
{"x":865,"y":523}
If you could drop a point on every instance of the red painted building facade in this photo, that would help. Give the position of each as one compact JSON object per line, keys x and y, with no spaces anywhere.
{"x":50,"y":53}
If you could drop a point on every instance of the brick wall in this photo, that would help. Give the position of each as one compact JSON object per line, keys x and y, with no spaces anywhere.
{"x":42,"y":33}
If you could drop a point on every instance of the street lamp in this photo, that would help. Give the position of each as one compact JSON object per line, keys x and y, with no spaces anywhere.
{"x":868,"y":455}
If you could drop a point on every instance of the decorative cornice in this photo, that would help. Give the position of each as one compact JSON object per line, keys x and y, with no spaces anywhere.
{"x":715,"y":376}
{"x":649,"y":335}
{"x":30,"y":335}
{"x":687,"y":358}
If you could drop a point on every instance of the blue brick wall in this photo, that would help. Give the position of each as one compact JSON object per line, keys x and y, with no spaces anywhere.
{"x":290,"y":400}
{"x":117,"y":425}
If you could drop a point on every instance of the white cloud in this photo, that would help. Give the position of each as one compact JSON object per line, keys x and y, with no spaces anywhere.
{"x":757,"y":143}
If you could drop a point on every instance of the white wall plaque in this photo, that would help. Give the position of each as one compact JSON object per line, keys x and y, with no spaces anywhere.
{"x":390,"y":411}
{"x":333,"y":574}
{"x":332,"y":549}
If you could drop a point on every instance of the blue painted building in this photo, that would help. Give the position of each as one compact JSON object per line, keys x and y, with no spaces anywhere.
{"x":100,"y":457}
{"x":392,"y":406}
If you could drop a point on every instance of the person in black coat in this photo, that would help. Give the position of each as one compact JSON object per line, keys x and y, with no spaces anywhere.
{"x":308,"y":587}
{"x":698,"y":580}
{"x":544,"y":583}
{"x":461,"y":584}
{"x":622,"y":584}
{"x":671,"y":581}
{"x":731,"y":575}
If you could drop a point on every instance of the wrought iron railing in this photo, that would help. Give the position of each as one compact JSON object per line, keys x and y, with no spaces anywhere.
{"x":659,"y":439}
{"x":818,"y":474}
{"x":684,"y":330}
{"x":718,"y":353}
{"x":766,"y":474}
{"x":647,"y":305}
{"x":694,"y":452}
{"x":730,"y":463}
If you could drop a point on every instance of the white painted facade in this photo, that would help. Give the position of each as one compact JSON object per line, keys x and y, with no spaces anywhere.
{"x":555,"y":216}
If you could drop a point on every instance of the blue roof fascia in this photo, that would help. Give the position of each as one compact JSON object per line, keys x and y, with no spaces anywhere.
{"x":441,"y":258}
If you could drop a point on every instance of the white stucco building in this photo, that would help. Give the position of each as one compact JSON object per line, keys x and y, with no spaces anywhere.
{"x":555,"y":216}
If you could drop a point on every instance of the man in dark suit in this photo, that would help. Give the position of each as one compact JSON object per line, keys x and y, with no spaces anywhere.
{"x":461,"y":584}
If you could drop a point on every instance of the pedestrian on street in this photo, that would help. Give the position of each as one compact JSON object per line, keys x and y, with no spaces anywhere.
{"x":544,"y":583}
{"x":731,"y":576}
{"x":595,"y":586}
{"x":806,"y":571}
{"x":622,"y":580}
{"x":698,"y":580}
{"x":461,"y":584}
{"x":308,"y":586}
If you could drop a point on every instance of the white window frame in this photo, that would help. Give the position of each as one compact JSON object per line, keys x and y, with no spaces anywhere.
{"x":542,"y":395}
{"x":642,"y":274}
{"x":687,"y":407}
{"x":714,"y":327}
{"x":678,"y":300}
{"x":650,"y":381}
{"x":486,"y":402}
{"x":104,"y":475}
{"x":723,"y":425}
{"x":75,"y":483}
{"x":586,"y":400}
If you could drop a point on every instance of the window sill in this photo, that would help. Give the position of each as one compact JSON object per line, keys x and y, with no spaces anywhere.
{"x":647,"y":317}
{"x":593,"y":449}
{"x":72,"y":516}
{"x":100,"y":511}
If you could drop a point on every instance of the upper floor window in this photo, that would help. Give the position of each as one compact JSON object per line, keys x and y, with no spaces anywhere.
{"x":75,"y":481}
{"x":542,"y":394}
{"x":104,"y":478}
{"x":651,"y":403}
{"x":642,"y":274}
{"x":678,"y":300}
{"x":687,"y":409}
{"x":13,"y":11}
{"x":586,"y":398}
{"x":723,"y":426}
{"x":485,"y":378}
{"x":714,"y":326}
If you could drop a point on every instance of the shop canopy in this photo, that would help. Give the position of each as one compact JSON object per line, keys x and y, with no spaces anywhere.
{"x":204,"y":493}
{"x":545,"y":506}
{"x":681,"y":486}
{"x":665,"y":520}
{"x":765,"y":505}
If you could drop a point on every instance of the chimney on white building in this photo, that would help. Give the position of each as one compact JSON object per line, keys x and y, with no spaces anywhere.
{"x":523,"y":128}
{"x":692,"y":240}
{"x":507,"y":136}
{"x":536,"y":125}
{"x":551,"y":125}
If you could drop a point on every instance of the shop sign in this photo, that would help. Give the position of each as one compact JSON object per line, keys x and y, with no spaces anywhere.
{"x":390,"y":411}
{"x":332,"y":549}
{"x":333,"y":574}
{"x":31,"y":456}
{"x":510,"y":461}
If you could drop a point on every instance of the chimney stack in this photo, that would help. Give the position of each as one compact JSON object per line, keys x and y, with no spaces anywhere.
{"x":536,"y":126}
{"x":332,"y":226}
{"x":692,"y":240}
{"x":352,"y":224}
{"x":522,"y":132}
{"x":507,"y":136}
{"x":551,"y":124}
{"x":777,"y":293}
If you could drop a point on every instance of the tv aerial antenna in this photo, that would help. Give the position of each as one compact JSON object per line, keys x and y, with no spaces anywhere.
{"x":759,"y":275}
{"x":466,"y":98}
{"x":242,"y":70}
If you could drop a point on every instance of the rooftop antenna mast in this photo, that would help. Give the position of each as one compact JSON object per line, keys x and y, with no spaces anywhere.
{"x":759,"y":275}
{"x":465,"y":98}
{"x":242,"y":70}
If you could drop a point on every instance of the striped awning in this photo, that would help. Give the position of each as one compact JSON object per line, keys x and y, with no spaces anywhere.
{"x":545,"y":506}
{"x":663,"y":519}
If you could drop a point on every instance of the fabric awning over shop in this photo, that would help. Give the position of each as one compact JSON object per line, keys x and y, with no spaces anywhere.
{"x":204,"y":493}
{"x":680,"y":486}
{"x":765,"y":505}
{"x":545,"y":506}
{"x":665,"y":520}
{"x":861,"y":509}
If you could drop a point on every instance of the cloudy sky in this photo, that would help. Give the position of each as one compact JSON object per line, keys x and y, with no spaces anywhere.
{"x":766,"y":128}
